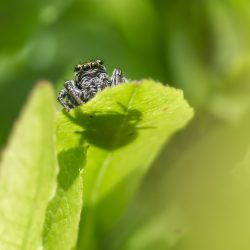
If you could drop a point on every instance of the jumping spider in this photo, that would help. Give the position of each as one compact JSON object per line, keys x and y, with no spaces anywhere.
{"x":90,"y":77}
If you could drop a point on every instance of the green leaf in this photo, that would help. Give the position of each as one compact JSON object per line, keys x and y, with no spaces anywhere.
{"x":125,"y":127}
{"x":63,"y":215}
{"x":28,"y":173}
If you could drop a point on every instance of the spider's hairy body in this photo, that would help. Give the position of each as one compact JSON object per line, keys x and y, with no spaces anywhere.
{"x":90,"y":77}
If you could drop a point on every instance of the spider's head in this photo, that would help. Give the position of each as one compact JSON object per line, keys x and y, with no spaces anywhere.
{"x":90,"y":65}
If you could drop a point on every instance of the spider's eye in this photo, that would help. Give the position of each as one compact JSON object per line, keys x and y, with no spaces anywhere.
{"x":77,"y":68}
{"x":100,"y":62}
{"x":86,"y":66}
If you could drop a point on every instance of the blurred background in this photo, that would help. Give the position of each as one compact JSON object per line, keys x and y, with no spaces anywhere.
{"x":197,"y":194}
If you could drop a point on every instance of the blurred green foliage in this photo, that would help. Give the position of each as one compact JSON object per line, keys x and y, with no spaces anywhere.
{"x":201,"y":46}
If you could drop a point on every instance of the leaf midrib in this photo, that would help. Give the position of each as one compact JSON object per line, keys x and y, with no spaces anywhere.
{"x":106,"y":161}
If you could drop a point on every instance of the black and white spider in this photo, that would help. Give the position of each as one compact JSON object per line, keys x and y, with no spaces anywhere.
{"x":90,"y":77}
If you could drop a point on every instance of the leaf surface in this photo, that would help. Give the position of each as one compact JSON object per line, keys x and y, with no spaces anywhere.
{"x":28,"y":173}
{"x":63,"y":214}
{"x":125,"y":128}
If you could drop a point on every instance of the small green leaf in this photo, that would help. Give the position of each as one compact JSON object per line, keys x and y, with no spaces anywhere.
{"x":125,"y":126}
{"x":28,"y":173}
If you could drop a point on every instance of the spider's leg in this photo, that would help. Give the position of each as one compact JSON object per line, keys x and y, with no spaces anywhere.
{"x":61,"y":98}
{"x":117,"y":77}
{"x":73,"y":91}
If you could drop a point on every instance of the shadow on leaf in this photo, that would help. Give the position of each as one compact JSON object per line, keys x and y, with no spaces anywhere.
{"x":70,"y":162}
{"x":108,"y":130}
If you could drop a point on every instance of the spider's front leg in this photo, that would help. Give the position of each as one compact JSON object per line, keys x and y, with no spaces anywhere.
{"x":61,"y":98}
{"x":73,"y":91}
{"x":117,"y":77}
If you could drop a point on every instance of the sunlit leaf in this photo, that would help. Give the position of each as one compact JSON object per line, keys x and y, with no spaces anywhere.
{"x":125,"y":127}
{"x":63,"y":214}
{"x":28,"y":173}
